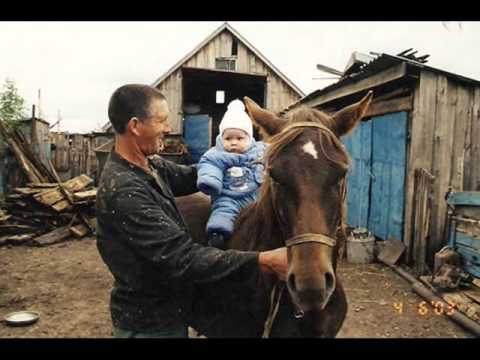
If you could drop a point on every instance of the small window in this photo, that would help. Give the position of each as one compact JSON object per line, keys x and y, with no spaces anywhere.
{"x":234,"y":47}
{"x":220,"y":97}
{"x":225,"y":64}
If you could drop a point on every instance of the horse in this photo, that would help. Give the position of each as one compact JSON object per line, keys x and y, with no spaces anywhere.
{"x":301,"y":205}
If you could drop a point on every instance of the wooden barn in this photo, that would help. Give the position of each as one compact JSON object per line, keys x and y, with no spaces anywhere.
{"x":223,"y":67}
{"x":420,"y":138}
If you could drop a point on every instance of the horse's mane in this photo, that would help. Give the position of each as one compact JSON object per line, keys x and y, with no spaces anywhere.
{"x":258,"y":222}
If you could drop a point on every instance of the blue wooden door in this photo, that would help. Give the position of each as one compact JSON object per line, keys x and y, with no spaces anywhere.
{"x":389,"y":141}
{"x":197,"y":133}
{"x":359,"y":146}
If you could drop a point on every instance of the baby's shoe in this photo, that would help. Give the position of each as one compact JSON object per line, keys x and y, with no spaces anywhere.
{"x":216,"y":240}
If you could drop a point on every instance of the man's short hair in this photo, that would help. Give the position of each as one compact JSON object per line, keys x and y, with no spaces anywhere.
{"x":129,"y":101}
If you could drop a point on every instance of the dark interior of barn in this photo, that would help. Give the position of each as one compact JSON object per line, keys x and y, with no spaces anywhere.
{"x":201,"y":85}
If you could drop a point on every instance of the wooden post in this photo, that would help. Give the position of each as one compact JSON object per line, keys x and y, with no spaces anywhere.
{"x":419,"y":148}
{"x":442,"y":163}
{"x":421,"y":225}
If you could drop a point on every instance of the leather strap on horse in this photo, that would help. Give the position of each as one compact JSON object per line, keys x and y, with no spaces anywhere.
{"x":304,"y":124}
{"x":311,"y":237}
{"x":273,"y":309}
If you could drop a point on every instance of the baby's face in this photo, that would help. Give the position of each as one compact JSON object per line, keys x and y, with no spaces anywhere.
{"x":235,"y":140}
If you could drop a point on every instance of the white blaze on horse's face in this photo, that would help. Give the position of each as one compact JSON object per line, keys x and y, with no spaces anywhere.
{"x":309,"y":148}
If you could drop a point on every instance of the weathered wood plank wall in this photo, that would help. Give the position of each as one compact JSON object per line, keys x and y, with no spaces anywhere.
{"x":11,"y":173}
{"x":74,"y":154}
{"x":171,"y":88}
{"x":445,"y":133}
{"x":472,"y":153}
{"x":422,"y":124}
{"x":279,"y":94}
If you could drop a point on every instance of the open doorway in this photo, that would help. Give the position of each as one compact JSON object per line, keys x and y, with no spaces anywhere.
{"x":200,"y":87}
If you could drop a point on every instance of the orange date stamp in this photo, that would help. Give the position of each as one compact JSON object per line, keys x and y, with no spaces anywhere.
{"x":436,"y":307}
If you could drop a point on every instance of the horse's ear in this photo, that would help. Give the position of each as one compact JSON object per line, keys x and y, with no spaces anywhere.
{"x":268,"y":123}
{"x":346,"y":119}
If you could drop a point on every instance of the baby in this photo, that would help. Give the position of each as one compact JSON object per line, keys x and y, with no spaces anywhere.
{"x":230,"y":173}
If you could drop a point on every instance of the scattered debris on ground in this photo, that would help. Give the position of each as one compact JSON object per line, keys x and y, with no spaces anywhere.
{"x":46,"y":213}
{"x":46,"y":210}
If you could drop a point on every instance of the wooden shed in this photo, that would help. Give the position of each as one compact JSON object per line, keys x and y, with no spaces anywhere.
{"x":35,"y":132}
{"x":223,"y":67}
{"x":423,"y":121}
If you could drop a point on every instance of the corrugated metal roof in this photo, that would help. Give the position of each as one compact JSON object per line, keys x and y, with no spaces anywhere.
{"x":382,"y":62}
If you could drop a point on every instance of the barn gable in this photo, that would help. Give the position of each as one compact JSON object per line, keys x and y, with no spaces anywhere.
{"x":228,"y":62}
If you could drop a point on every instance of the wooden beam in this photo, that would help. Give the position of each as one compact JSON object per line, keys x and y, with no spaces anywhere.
{"x":62,"y":188}
{"x":42,"y":185}
{"x":78,"y":183}
{"x":394,"y":73}
{"x":467,"y":167}
{"x":52,"y":237}
{"x":79,"y":230}
{"x":85,"y":195}
{"x":464,"y":304}
{"x":474,"y":160}
{"x":422,"y":210}
{"x":462,"y":114}
{"x":15,"y":239}
{"x":16,"y":229}
{"x":442,"y":162}
{"x":389,"y":106}
{"x":189,"y":68}
{"x":62,"y":205}
{"x":421,"y":125}
{"x":49,"y":197}
{"x":403,"y":91}
{"x":27,"y":190}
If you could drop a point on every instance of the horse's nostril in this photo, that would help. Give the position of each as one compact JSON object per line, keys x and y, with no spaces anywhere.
{"x":291,"y":282}
{"x":329,"y":281}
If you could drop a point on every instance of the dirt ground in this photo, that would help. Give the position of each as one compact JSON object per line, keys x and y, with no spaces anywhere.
{"x":69,"y":285}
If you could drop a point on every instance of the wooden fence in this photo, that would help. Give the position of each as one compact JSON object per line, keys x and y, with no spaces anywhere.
{"x":74,"y":154}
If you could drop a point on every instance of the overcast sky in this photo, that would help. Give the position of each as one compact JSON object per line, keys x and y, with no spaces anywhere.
{"x":77,"y":65}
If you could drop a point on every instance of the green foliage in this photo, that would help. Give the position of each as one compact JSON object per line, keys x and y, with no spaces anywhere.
{"x":12,"y":105}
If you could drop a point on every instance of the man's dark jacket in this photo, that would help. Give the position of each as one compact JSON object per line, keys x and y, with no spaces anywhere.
{"x":145,"y":243}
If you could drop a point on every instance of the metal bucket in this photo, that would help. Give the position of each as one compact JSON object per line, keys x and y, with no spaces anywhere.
{"x":360,"y":247}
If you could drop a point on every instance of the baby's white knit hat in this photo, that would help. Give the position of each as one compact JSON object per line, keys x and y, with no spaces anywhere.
{"x":236,"y":118}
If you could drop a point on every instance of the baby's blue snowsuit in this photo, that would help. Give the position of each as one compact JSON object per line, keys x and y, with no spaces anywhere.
{"x":215,"y":179}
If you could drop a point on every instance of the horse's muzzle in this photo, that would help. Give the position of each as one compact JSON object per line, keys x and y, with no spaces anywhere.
{"x":311,"y":291}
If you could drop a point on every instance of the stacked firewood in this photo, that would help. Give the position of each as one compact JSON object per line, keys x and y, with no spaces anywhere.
{"x":46,"y":213}
{"x":46,"y":210}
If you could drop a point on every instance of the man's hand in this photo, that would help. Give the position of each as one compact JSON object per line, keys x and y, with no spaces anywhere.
{"x":274,"y":262}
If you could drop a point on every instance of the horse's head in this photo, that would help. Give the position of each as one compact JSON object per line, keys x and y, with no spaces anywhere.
{"x":305,"y":166}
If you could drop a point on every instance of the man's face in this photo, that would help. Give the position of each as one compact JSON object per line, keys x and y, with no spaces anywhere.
{"x":151,"y":131}
{"x":235,"y":140}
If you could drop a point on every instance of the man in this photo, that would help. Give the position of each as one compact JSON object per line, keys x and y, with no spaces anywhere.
{"x":141,"y":235}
